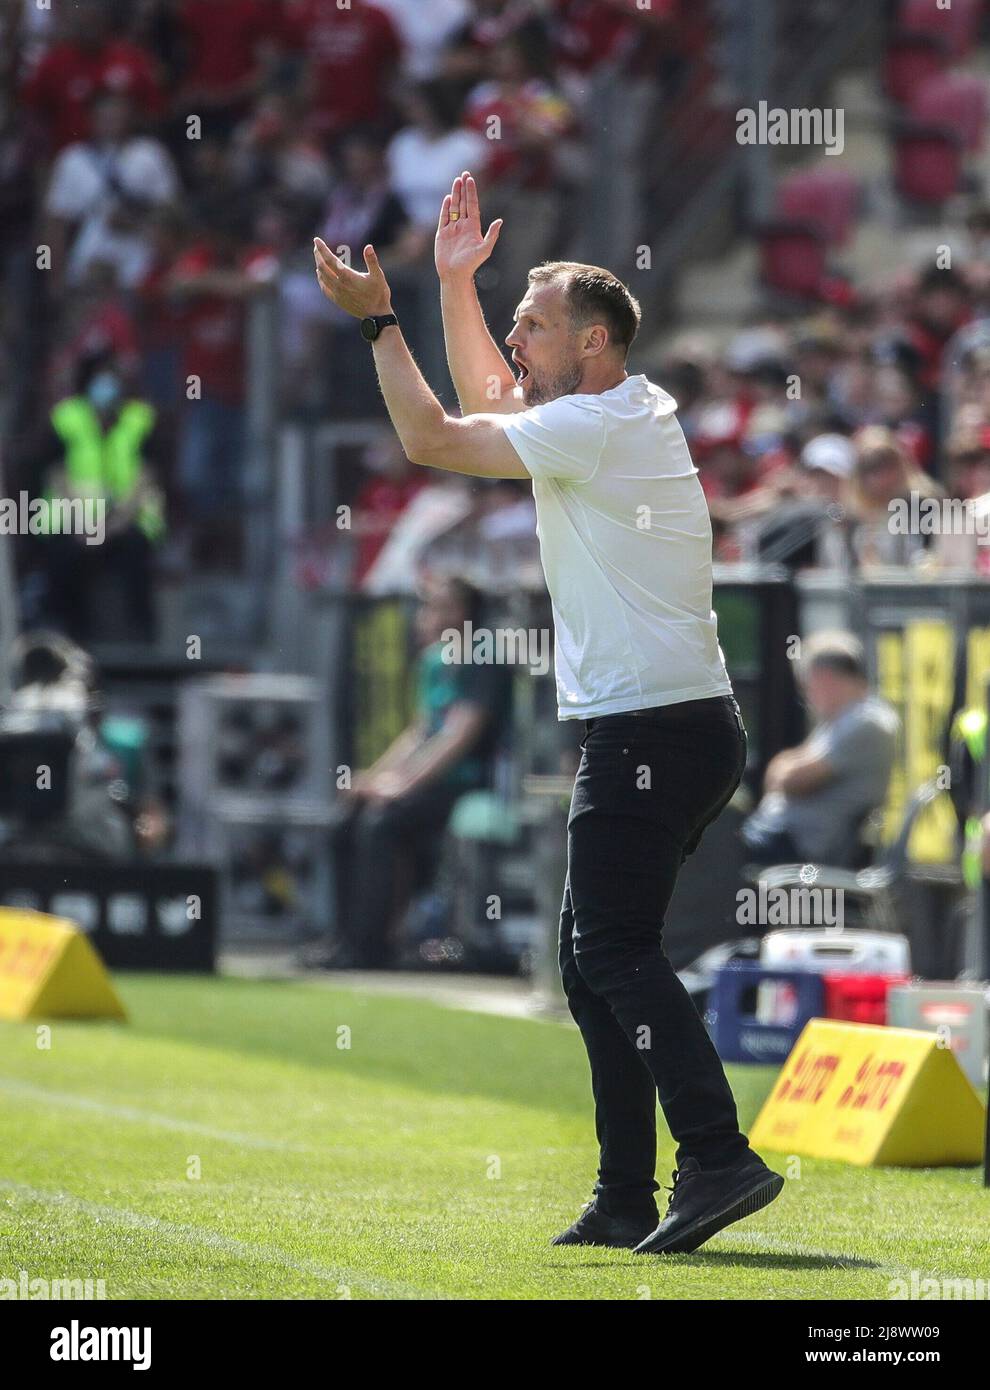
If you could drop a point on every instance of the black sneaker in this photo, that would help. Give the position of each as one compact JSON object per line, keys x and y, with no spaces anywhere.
{"x":595,"y":1227}
{"x":702,"y":1203}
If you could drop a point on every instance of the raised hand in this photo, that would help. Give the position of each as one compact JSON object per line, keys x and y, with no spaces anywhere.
{"x":460,"y":247}
{"x":357,"y":293}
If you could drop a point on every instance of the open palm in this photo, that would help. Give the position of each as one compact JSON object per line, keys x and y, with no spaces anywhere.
{"x":460,"y":247}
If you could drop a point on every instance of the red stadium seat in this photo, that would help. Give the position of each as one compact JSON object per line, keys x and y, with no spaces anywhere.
{"x":909,"y":60}
{"x":958,"y":24}
{"x":927,"y":163}
{"x":792,"y":258}
{"x":957,"y":99}
{"x":826,"y":196}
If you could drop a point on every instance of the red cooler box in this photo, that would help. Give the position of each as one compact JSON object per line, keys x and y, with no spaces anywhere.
{"x":859,"y":998}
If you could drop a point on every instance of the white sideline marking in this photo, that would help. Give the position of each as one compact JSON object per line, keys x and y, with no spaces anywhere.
{"x":227,"y":1245}
{"x":26,"y":1090}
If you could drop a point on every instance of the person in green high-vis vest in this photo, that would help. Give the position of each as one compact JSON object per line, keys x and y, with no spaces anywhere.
{"x":100,"y":447}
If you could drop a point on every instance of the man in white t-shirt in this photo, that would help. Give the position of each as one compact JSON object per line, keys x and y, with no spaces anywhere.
{"x":625,"y":541}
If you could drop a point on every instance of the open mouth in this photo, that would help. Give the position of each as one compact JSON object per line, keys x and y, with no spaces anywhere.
{"x":523,"y":371}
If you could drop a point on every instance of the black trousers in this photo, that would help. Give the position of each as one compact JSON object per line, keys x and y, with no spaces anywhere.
{"x":72,"y":567}
{"x":367,"y":845}
{"x":647,"y":786}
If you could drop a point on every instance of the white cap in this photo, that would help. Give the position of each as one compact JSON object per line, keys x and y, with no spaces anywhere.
{"x":833,"y":453}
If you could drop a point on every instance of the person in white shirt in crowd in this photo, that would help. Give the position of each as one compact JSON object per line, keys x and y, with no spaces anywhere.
{"x":101,"y":196}
{"x":625,"y":539}
{"x":825,"y":467}
{"x":426,"y":155}
{"x":425,"y":28}
{"x":818,"y":795}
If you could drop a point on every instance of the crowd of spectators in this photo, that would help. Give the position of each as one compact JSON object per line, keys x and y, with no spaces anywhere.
{"x":165,"y":162}
{"x":806,"y":432}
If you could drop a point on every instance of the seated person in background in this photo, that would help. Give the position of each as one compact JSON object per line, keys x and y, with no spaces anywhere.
{"x":402,"y":803}
{"x":817,"y":795}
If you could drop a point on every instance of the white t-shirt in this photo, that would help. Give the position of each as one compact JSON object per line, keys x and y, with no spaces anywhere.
{"x":81,"y":190}
{"x":421,"y":170}
{"x":425,"y":28}
{"x":626,"y":545}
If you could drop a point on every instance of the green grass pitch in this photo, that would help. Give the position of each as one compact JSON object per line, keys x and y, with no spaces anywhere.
{"x":224,"y":1144}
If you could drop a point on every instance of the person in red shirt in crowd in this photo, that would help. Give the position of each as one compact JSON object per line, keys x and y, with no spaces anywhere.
{"x":532,"y":115}
{"x":653,"y":38}
{"x":227,"y":45}
{"x":587,"y":33}
{"x":89,"y":58}
{"x":213,"y":281}
{"x":351,"y":55}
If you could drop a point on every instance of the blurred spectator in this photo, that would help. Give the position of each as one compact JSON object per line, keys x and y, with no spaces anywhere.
{"x":526,"y":123}
{"x":588,"y":34}
{"x":102,"y":445}
{"x":351,"y":56}
{"x":397,"y":809}
{"x":940,"y":308}
{"x":212,"y":281}
{"x":319,"y":373}
{"x":884,"y":472}
{"x":101,"y":193}
{"x":521,"y":113}
{"x":469,"y":55}
{"x":817,"y":796}
{"x":427,"y":155}
{"x":88,"y":58}
{"x":273,"y":151}
{"x":827,"y":464}
{"x":97,"y":321}
{"x":968,"y":478}
{"x":363,"y":205}
{"x":800,"y":514}
{"x":227,"y":46}
{"x":425,"y":29}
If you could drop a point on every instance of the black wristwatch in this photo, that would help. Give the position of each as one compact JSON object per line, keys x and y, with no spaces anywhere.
{"x":370,"y":328}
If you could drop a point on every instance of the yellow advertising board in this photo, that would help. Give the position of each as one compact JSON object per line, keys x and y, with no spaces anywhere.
{"x":870,"y":1095}
{"x":48,"y":969}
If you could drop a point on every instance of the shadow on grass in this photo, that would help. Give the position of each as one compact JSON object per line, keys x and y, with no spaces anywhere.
{"x":709,"y":1259}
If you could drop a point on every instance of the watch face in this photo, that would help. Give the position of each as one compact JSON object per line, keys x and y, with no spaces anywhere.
{"x":369,"y":329}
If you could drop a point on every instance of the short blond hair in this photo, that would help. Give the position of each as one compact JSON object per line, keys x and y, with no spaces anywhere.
{"x":593,"y":295}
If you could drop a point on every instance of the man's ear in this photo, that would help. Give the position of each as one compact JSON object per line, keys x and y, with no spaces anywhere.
{"x":595,"y":340}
